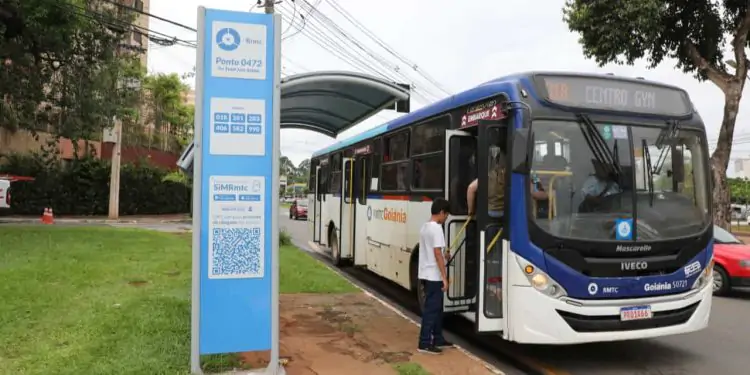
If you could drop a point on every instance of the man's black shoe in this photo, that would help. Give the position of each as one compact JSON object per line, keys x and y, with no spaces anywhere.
{"x":430,"y":350}
{"x":445,"y":344}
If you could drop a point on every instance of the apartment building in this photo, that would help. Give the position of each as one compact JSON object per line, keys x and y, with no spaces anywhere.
{"x":136,"y":41}
{"x":138,"y":38}
{"x":742,"y":168}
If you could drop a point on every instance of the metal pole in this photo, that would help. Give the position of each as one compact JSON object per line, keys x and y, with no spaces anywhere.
{"x":269,"y":6}
{"x":114,"y":177}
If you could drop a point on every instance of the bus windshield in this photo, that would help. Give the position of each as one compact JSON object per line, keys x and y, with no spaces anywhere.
{"x":592,"y":174}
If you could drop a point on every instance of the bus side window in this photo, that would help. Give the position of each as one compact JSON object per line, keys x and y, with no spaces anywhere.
{"x":462,"y":169}
{"x":428,"y":141}
{"x":395,"y":172}
{"x":374,"y":167}
{"x":335,"y":179}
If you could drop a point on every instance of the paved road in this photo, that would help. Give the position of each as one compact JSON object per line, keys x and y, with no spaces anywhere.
{"x":723,"y":348}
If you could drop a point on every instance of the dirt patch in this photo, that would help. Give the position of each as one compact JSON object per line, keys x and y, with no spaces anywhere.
{"x":353,"y":334}
{"x":137,"y":282}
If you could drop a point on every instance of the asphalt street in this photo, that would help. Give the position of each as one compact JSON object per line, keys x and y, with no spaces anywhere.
{"x":722,"y":348}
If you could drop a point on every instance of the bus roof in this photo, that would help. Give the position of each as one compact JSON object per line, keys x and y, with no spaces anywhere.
{"x":482,"y":91}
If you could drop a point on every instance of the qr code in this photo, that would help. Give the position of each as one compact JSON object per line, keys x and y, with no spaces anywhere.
{"x":237,"y":252}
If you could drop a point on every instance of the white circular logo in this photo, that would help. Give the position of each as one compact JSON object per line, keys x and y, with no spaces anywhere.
{"x":593,"y":288}
{"x":623,"y":229}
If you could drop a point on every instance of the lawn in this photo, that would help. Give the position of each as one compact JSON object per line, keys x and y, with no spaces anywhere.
{"x":101,"y":300}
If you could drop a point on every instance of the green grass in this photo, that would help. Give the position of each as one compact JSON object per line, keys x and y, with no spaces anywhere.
{"x":410,"y":368}
{"x":110,"y":301}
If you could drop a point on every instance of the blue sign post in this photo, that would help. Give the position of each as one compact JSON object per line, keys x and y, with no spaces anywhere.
{"x":235,"y":190}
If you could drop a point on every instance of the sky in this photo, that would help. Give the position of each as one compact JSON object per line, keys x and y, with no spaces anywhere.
{"x":456,"y":44}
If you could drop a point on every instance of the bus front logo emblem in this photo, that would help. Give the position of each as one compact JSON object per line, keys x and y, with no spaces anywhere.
{"x":369,"y":213}
{"x":593,"y":288}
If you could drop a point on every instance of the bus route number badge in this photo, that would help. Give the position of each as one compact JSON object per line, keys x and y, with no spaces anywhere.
{"x":624,"y":229}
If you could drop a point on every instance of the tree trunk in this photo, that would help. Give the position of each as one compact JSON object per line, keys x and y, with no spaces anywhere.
{"x":720,"y":157}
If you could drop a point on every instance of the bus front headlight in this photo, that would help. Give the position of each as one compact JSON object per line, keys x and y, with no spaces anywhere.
{"x":539,"y":280}
{"x":706,"y":276}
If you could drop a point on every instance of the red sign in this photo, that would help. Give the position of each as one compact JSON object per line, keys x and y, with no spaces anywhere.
{"x":485,"y":111}
{"x":362,"y":150}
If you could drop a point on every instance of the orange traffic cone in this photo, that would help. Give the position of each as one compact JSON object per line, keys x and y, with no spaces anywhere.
{"x":48,"y":217}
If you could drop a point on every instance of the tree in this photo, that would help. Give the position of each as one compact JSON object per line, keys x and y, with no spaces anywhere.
{"x":695,"y":33}
{"x":60,"y":65}
{"x":169,"y":114}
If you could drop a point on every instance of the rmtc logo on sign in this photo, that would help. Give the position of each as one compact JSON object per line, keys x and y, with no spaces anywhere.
{"x":239,"y":50}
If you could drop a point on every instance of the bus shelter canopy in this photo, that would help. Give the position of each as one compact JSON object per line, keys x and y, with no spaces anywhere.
{"x":329,"y":103}
{"x":334,"y":101}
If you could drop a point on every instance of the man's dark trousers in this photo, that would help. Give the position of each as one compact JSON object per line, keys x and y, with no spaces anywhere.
{"x":431,"y":333}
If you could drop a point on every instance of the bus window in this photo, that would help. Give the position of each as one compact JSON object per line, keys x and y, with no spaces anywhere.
{"x":335,"y":180}
{"x":427,"y":154}
{"x":394,"y":172}
{"x":462,"y":170}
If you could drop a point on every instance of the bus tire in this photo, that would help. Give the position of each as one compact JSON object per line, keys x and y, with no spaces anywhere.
{"x":333,"y":240}
{"x":416,"y":287}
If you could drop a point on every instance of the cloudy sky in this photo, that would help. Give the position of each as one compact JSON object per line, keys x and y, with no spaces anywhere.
{"x":489,"y":39}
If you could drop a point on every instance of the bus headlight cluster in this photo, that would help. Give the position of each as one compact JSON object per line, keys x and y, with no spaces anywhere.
{"x":540,"y":280}
{"x":706,"y":276}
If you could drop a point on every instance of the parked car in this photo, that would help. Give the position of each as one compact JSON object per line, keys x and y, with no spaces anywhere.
{"x":4,"y":193}
{"x":298,"y":210}
{"x":731,"y":262}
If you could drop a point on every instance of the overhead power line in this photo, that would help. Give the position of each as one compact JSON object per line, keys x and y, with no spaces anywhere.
{"x":134,"y":9}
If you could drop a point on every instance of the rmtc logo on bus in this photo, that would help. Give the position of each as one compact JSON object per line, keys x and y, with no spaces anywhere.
{"x":386,"y":214}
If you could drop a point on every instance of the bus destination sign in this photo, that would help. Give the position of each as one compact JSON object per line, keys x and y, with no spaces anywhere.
{"x":614,"y":95}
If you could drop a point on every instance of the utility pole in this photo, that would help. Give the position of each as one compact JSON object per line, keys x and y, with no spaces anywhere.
{"x":114,"y":178}
{"x":269,"y":6}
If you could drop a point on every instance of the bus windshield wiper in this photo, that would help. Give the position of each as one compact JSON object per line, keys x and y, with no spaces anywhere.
{"x":667,"y":138}
{"x":649,"y":175}
{"x":598,"y":146}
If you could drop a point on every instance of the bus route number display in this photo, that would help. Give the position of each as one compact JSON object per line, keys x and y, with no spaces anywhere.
{"x":614,"y":95}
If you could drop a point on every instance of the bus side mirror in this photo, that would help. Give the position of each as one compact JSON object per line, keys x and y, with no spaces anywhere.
{"x":522,"y":139}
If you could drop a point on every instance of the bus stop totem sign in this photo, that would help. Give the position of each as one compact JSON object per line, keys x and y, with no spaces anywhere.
{"x":235,"y":236}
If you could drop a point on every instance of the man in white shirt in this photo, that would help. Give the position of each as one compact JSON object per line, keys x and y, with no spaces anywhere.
{"x":433,"y":278}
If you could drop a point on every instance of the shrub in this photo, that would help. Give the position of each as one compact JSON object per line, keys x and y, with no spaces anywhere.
{"x":285,"y":239}
{"x":81,"y":187}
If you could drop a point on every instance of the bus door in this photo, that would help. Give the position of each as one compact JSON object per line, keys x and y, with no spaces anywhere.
{"x":348,"y":200}
{"x":318,"y":205}
{"x":493,"y":163}
{"x":361,"y":187}
{"x":460,"y":147}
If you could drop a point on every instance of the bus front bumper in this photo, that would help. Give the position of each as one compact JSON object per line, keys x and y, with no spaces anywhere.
{"x":539,"y":319}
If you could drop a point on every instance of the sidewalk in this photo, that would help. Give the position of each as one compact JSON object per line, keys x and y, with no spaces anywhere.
{"x":348,"y":334}
{"x":135,"y":219}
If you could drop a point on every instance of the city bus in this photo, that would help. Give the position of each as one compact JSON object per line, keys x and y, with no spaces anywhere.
{"x":606,"y":228}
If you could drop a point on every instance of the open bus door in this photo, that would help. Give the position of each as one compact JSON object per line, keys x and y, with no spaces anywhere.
{"x":492,"y":152}
{"x":318,"y":205}
{"x":346,"y":218}
{"x":462,"y":291}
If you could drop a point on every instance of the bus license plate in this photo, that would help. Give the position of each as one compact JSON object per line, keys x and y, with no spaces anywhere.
{"x":635,"y":313}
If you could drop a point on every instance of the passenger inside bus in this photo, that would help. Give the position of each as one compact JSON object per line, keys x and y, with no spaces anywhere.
{"x":596,"y":187}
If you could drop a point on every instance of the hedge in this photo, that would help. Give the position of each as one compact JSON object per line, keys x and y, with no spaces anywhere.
{"x":81,"y":187}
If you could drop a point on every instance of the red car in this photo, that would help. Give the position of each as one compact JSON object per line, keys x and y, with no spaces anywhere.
{"x":731,"y":262}
{"x":298,"y":210}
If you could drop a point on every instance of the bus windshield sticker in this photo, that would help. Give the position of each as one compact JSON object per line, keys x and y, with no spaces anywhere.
{"x":606,"y":132}
{"x":613,"y":94}
{"x":485,"y":111}
{"x":619,"y":132}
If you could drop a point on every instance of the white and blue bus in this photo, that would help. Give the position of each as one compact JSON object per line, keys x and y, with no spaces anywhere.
{"x":607,"y":228}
